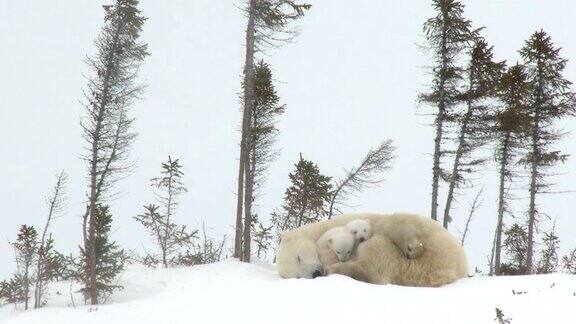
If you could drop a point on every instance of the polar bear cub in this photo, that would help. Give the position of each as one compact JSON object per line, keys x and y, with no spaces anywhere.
{"x":402,"y":234}
{"x":336,"y":244}
{"x":361,"y":230}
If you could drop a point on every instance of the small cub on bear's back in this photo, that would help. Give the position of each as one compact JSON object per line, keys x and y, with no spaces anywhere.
{"x":336,"y":244}
{"x":361,"y":230}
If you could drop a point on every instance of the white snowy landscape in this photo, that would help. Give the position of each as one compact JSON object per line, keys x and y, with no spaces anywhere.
{"x":233,"y":292}
{"x":204,"y":156}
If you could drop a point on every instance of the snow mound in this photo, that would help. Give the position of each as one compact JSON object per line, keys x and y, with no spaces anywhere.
{"x":234,"y":292}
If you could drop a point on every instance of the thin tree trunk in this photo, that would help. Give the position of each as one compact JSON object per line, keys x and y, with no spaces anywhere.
{"x":501,"y":204}
{"x":491,"y":265}
{"x":248,"y":213}
{"x":459,"y":151}
{"x":532,"y":208}
{"x":41,"y":252}
{"x":167,"y":229}
{"x":94,"y":191}
{"x":453,"y":178}
{"x":450,"y":198}
{"x":534,"y":172}
{"x":251,"y":171}
{"x":439,"y":123}
{"x":436,"y":166}
{"x":332,"y":201}
{"x":26,"y":286}
{"x":239,"y":202}
{"x":246,"y":127}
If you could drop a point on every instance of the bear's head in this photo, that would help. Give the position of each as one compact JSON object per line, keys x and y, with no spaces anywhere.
{"x":342,"y":244}
{"x":361,"y":229}
{"x":298,"y":258}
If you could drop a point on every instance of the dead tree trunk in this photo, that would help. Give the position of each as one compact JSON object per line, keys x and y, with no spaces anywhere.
{"x":54,"y":205}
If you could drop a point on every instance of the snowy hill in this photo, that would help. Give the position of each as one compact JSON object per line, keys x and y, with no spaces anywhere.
{"x":233,"y":292}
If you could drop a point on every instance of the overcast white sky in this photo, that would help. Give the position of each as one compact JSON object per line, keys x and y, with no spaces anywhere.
{"x":350,"y":81}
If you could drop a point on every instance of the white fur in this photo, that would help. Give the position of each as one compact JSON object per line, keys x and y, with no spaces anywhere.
{"x":336,"y":244}
{"x":361,"y":230}
{"x":379,"y":259}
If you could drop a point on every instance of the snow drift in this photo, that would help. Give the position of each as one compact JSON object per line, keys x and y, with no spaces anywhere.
{"x":234,"y":292}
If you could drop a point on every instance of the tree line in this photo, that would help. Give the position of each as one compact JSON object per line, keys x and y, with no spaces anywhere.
{"x":479,"y":101}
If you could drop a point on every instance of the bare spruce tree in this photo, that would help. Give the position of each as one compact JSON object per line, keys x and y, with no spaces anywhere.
{"x":472,"y":210}
{"x":56,"y":202}
{"x":510,"y":133}
{"x":447,"y":35}
{"x":268,"y":26}
{"x":169,"y":236}
{"x":111,"y":90}
{"x":482,"y":76}
{"x":362,"y":176}
{"x":551,"y":99}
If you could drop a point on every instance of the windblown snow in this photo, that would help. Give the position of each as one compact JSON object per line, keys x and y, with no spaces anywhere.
{"x":234,"y":292}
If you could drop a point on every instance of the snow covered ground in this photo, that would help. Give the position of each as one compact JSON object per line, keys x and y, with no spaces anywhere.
{"x":233,"y":292}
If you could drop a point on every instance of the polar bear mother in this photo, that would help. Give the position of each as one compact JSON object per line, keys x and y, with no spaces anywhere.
{"x":381,"y":259}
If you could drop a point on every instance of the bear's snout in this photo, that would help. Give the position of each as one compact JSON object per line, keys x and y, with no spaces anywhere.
{"x":316,"y":274}
{"x":362,"y":239}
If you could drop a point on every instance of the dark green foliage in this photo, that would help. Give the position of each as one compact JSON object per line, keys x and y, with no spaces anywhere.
{"x":272,"y":19}
{"x":515,"y":246}
{"x":482,"y":77}
{"x":264,"y":117}
{"x":26,"y":249}
{"x":13,"y":291}
{"x":447,"y":35}
{"x":548,"y":262}
{"x":569,"y":262}
{"x":52,"y":266}
{"x":306,"y":199}
{"x":109,"y":257}
{"x":266,"y":109}
{"x":551,"y":99}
